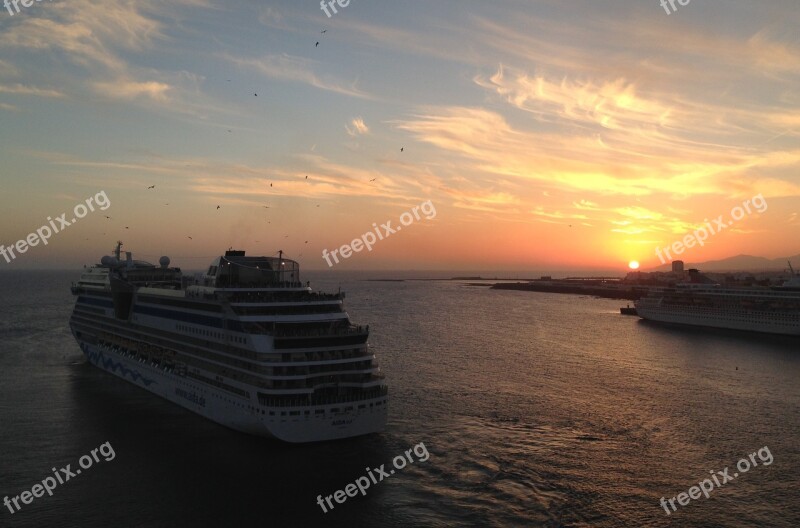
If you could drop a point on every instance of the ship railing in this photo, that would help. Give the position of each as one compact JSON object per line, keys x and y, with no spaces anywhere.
{"x":323,"y":332}
{"x":263,"y":297}
{"x":329,"y":400}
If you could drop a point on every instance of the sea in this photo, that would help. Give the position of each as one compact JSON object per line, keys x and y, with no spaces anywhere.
{"x":534,"y":409}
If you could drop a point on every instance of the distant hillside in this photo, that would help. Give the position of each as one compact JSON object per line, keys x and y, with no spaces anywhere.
{"x":739,"y":263}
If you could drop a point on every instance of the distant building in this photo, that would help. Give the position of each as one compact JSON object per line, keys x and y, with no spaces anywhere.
{"x":677,"y":266}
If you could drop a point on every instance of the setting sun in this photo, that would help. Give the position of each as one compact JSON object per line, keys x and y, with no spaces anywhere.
{"x":633,"y":265}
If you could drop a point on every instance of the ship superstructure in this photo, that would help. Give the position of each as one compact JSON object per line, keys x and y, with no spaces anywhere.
{"x":246,"y":345}
{"x":769,"y":310}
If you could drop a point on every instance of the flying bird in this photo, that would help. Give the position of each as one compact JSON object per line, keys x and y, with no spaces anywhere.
{"x":306,"y":176}
{"x":217,"y":207}
{"x":316,"y":45}
{"x":270,"y":185}
{"x":324,"y":31}
{"x":402,"y":149}
{"x":108,"y":217}
{"x":256,"y":95}
{"x":126,"y":227}
{"x":190,"y":238}
{"x":152,"y":187}
{"x":373,"y":179}
{"x":266,"y":207}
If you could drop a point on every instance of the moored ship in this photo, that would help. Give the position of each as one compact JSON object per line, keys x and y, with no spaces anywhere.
{"x":246,"y":345}
{"x":768,"y":310}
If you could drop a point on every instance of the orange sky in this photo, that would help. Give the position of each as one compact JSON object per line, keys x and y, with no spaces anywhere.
{"x":546,"y":134}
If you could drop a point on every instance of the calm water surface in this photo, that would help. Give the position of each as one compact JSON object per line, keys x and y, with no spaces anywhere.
{"x":537,"y":410}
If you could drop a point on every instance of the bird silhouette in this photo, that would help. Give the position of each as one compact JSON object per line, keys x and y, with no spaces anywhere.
{"x":373,"y":179}
{"x":316,"y":45}
{"x":266,"y":207}
{"x":324,"y":31}
{"x":152,"y":187}
{"x":190,"y":238}
{"x":217,"y":207}
{"x":402,"y":149}
{"x":108,"y":217}
{"x":270,"y":185}
{"x":306,"y":176}
{"x":126,"y":227}
{"x":255,"y":95}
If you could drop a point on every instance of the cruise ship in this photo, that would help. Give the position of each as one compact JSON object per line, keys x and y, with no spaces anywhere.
{"x":245,"y":344}
{"x":768,"y":310}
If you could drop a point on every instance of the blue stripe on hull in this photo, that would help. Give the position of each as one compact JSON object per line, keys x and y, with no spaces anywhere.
{"x":97,"y":358}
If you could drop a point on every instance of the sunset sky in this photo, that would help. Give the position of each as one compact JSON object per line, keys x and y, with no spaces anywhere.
{"x":547,"y":134}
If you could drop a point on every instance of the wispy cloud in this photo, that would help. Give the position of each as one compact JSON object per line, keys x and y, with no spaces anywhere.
{"x":21,"y":89}
{"x":127,"y":89}
{"x":609,"y":104}
{"x":357,"y":127}
{"x":296,"y":69}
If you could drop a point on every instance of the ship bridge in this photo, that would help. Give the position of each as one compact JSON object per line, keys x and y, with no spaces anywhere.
{"x":236,"y":270}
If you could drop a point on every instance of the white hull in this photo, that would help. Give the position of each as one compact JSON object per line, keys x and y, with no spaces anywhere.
{"x":289,"y":424}
{"x":742,"y":319}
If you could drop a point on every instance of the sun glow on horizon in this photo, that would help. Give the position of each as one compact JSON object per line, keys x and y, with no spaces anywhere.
{"x":633,"y":265}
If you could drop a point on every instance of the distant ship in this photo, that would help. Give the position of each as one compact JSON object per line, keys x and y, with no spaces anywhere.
{"x":772,"y":311}
{"x":246,"y":345}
